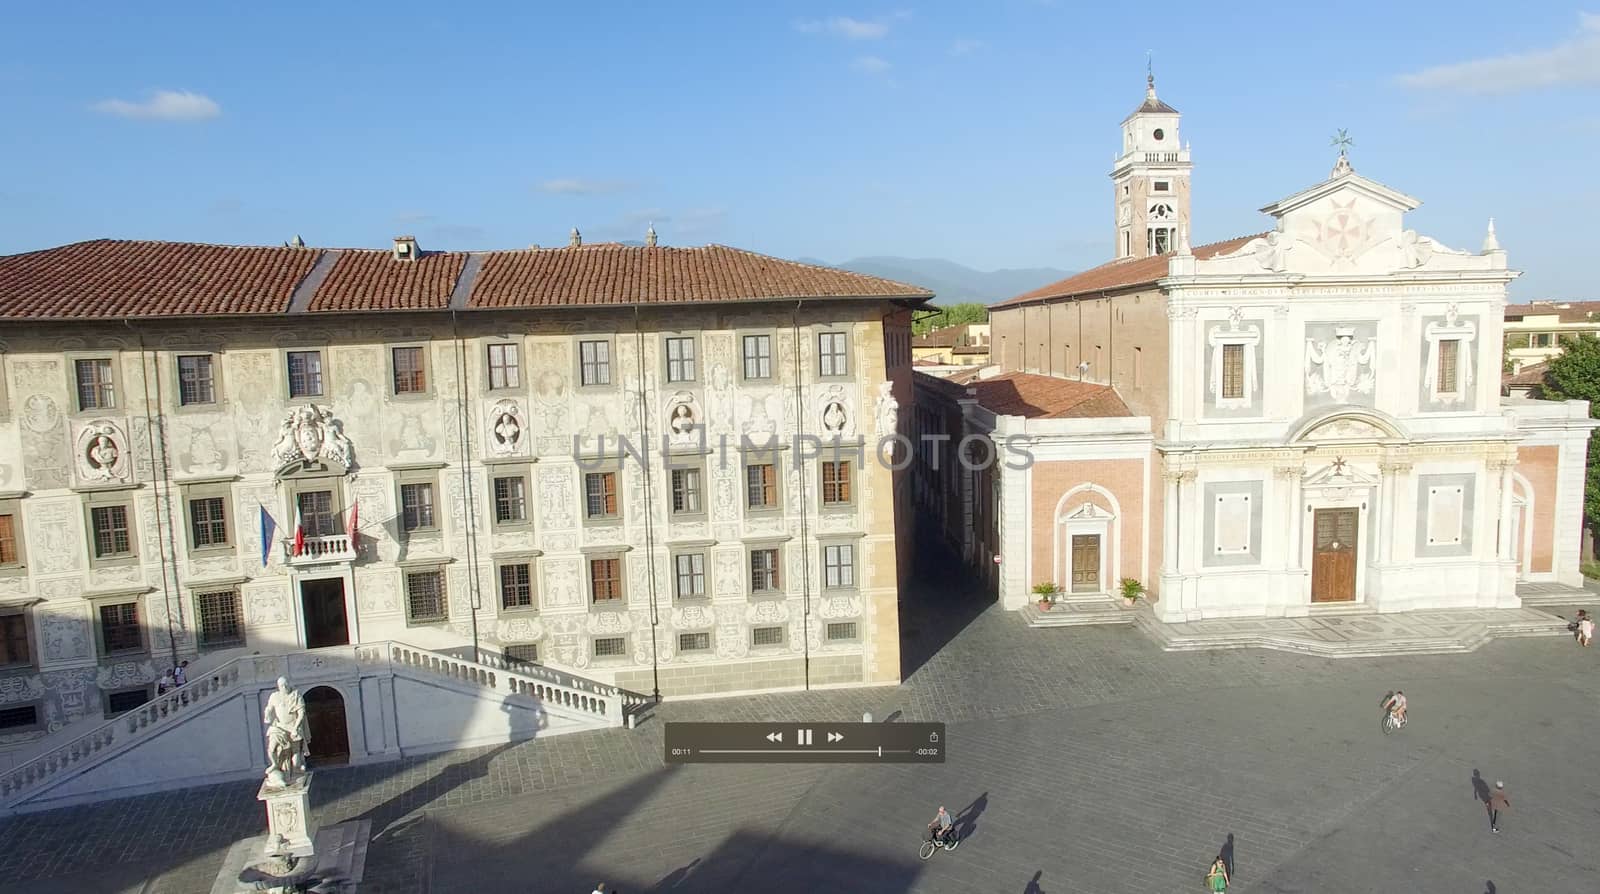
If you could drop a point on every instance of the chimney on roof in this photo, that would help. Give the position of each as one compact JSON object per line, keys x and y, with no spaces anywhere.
{"x":574,"y":239}
{"x":650,"y":236}
{"x":405,"y":248}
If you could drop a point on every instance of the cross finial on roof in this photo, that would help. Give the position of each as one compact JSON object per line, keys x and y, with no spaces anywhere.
{"x":1343,"y":141}
{"x":1149,"y":74}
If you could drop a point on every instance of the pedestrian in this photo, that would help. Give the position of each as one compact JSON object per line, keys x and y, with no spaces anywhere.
{"x":599,"y":889}
{"x":1585,"y":628}
{"x":165,"y":684}
{"x":1497,"y":802}
{"x":180,"y":674}
{"x":1217,"y":877}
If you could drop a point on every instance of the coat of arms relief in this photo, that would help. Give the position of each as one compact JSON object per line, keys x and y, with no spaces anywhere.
{"x":310,"y":434}
{"x":1340,"y":366}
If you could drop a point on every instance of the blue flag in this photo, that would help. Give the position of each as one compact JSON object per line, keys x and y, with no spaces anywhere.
{"x":268,"y":528}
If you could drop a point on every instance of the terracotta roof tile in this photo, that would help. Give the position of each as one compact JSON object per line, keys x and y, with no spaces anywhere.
{"x":1565,"y":311}
{"x":625,"y":274}
{"x":1121,"y":274}
{"x":374,"y":280}
{"x":1532,"y":374}
{"x":1037,"y":397}
{"x":116,"y":279}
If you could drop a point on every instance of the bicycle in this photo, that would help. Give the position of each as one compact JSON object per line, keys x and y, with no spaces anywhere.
{"x":1391,"y":722}
{"x":950,"y":841}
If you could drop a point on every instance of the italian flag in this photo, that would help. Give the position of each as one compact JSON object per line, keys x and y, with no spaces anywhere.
{"x":299,"y":531}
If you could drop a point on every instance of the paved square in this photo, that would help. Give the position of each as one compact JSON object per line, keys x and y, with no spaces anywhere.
{"x":1080,"y":760}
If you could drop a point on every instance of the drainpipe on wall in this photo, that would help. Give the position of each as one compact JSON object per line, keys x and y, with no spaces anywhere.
{"x":649,"y":512}
{"x":805,"y":555}
{"x":470,"y":510}
{"x":163,"y":494}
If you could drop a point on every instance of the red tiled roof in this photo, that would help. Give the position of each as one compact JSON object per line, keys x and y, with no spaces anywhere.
{"x":1566,"y":311}
{"x":628,"y":275}
{"x":1037,"y":397}
{"x":1122,"y":273}
{"x":1532,"y":374}
{"x":374,"y":280}
{"x":109,"y":278}
{"x":116,"y":279}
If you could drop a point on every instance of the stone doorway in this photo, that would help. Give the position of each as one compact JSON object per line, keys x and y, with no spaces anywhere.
{"x":322,"y":609}
{"x":1333,"y":554}
{"x":330,"y":732}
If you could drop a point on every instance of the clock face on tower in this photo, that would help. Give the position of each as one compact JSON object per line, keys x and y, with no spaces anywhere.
{"x":1158,"y":134}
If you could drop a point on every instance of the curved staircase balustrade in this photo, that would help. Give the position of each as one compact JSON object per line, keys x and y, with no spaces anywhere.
{"x":576,"y":694}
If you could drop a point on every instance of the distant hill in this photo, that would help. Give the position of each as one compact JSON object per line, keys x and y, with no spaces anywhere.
{"x":950,"y":282}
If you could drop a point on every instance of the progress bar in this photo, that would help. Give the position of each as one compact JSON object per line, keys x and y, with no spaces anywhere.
{"x":805,"y":743}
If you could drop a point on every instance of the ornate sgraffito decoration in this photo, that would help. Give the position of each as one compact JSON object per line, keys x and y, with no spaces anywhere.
{"x":102,"y":452}
{"x":1340,"y":366}
{"x":507,"y":429}
{"x":310,"y":434}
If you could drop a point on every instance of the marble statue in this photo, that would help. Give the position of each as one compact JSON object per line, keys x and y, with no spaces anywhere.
{"x":287,"y":734}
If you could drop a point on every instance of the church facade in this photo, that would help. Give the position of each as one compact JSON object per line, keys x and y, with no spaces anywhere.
{"x":1320,"y":404}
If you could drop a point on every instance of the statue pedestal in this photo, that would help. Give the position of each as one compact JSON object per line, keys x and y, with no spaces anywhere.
{"x":289,"y":814}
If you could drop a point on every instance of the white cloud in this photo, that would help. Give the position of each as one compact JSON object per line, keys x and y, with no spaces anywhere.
{"x":871,"y":65}
{"x":571,"y":186}
{"x":846,"y":27}
{"x":1575,"y":61}
{"x":966,"y":47}
{"x":163,"y":105}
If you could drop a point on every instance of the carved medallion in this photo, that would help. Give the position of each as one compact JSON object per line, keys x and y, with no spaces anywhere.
{"x":506,"y":428}
{"x":102,"y":452}
{"x":309,"y":434}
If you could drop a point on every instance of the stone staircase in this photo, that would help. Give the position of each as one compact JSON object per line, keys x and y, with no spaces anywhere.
{"x":1078,"y":611}
{"x":1353,"y":632}
{"x":560,"y":701}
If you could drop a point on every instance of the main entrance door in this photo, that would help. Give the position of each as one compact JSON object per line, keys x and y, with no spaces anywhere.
{"x":330,"y":733}
{"x":1086,"y":563}
{"x":322,"y":605}
{"x":1333,"y":558}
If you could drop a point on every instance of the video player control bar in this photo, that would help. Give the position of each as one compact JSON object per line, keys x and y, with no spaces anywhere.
{"x":805,"y":743}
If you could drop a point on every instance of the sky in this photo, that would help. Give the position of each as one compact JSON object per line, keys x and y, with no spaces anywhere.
{"x":980,"y":132}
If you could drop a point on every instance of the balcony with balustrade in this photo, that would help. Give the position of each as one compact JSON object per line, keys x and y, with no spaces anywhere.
{"x":320,"y":550}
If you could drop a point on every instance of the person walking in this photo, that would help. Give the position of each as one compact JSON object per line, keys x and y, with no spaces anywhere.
{"x":180,"y":674}
{"x":1217,"y":877}
{"x":1585,"y":628}
{"x":1496,"y":803}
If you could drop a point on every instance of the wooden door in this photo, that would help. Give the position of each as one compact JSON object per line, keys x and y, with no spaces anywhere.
{"x":1086,"y":563}
{"x":1333,"y":556}
{"x":328,"y":729}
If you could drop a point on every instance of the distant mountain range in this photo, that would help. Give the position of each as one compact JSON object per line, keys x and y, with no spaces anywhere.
{"x":950,"y":282}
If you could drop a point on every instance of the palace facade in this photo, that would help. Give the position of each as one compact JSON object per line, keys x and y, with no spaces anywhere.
{"x":582,"y":458}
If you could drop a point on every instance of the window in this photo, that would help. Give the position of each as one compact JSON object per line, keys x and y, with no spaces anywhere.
{"x":120,"y":632}
{"x":831,"y":359}
{"x":522,"y":653}
{"x":316,"y":513}
{"x":416,"y":506}
{"x":839,"y":631}
{"x":18,"y":718}
{"x":610,"y":647}
{"x":680,"y":358}
{"x":835,"y":483}
{"x":605,"y":578}
{"x":1449,"y":353}
{"x":600,"y":494}
{"x":1233,"y":372}
{"x":305,"y":373}
{"x":425,"y":597}
{"x":111,"y":536}
{"x":685,"y":491}
{"x":96,"y":389}
{"x":758,"y":356}
{"x":694,"y":642}
{"x":196,"y":383}
{"x":220,"y":621}
{"x":690,"y":578}
{"x":594,"y":363}
{"x":764,"y":570}
{"x":1541,"y":340}
{"x":510,"y":500}
{"x":1158,"y":240}
{"x":761,"y":486}
{"x":1161,"y":186}
{"x":505,"y":368}
{"x":9,"y":553}
{"x":516,"y":586}
{"x":14,"y":648}
{"x":766,"y":636}
{"x":1127,"y":243}
{"x":839,"y":566}
{"x":410,"y":371}
{"x":126,"y":700}
{"x":208,"y":522}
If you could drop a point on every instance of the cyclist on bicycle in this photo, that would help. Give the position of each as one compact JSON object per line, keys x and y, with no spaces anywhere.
{"x":1396,"y":705}
{"x":941,"y":825}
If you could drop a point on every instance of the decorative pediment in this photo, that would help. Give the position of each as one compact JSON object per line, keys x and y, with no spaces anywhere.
{"x":1346,"y":430}
{"x":1087,"y":510}
{"x":310,"y":435}
{"x":1339,"y":473}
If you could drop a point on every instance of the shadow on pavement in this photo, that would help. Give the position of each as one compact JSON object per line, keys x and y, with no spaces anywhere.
{"x":941,"y":600}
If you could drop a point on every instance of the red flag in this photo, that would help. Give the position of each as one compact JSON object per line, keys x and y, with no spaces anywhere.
{"x":299,"y":532}
{"x":355,"y":510}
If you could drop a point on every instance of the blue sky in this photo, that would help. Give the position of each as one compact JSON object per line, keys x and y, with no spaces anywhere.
{"x":980,"y":132}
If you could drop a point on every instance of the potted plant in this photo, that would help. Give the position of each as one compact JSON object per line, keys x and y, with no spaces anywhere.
{"x":1047,"y":593}
{"x":1131,"y":591}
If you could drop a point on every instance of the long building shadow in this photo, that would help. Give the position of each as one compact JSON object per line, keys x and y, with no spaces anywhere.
{"x":941,"y":600}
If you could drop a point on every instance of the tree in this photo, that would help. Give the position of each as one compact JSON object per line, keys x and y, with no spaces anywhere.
{"x":1574,"y":374}
{"x":954,"y":315}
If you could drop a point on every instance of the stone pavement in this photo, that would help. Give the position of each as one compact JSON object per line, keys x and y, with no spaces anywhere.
{"x":1082,"y":759}
{"x":1351,"y":633}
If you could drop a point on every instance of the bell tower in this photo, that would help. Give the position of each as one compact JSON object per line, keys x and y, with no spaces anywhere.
{"x":1151,"y":180}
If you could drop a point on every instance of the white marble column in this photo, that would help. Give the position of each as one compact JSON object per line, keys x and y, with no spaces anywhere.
{"x":1386,"y":501}
{"x":1169,"y":524}
{"x":1507,"y":528}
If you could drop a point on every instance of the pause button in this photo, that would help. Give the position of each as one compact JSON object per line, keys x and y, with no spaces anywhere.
{"x":802,"y":737}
